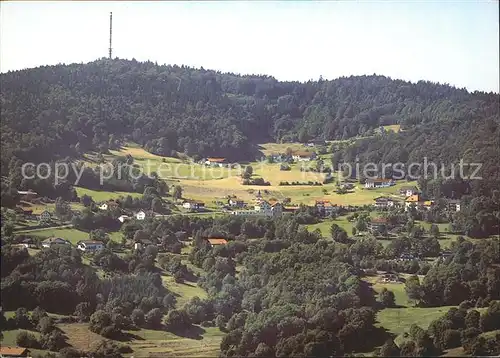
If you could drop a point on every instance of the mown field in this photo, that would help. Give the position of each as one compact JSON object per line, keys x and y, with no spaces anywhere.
{"x":71,"y":234}
{"x":209,"y":184}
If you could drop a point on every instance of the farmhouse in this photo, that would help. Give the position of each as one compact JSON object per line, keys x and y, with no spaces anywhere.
{"x":27,"y":195}
{"x":290,"y":209}
{"x":123,"y":218}
{"x":454,"y":205}
{"x":412,"y":200}
{"x":6,"y":351}
{"x":263,"y":208}
{"x":324,"y":207}
{"x":300,"y":156}
{"x":90,"y":245}
{"x":54,"y":241}
{"x":141,"y":215}
{"x":215,"y":161}
{"x":193,"y":205}
{"x":28,"y":243}
{"x":213,"y":241}
{"x":44,"y":216}
{"x":236,"y":203}
{"x":416,"y":201}
{"x":383,"y":202}
{"x":378,"y":183}
{"x":140,"y":244}
{"x":408,"y":190}
{"x":27,"y":213}
{"x":378,"y":225}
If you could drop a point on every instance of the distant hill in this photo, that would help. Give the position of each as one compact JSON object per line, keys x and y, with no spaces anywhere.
{"x":65,"y":110}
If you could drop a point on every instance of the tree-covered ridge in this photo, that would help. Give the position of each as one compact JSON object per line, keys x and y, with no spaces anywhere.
{"x":65,"y":110}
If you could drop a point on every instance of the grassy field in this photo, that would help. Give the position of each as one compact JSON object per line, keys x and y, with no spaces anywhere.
{"x":213,"y":183}
{"x":393,"y":127}
{"x":70,"y":234}
{"x":98,"y":195}
{"x":183,"y":291}
{"x":399,"y":320}
{"x":325,"y":225}
{"x":147,"y":342}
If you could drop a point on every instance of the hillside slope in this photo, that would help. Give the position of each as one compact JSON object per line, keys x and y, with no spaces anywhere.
{"x":66,"y":110}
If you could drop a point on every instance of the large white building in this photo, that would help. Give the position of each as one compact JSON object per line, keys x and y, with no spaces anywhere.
{"x":90,"y":246}
{"x":262,"y":208}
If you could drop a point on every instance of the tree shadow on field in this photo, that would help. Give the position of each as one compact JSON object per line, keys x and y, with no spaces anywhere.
{"x":193,"y":332}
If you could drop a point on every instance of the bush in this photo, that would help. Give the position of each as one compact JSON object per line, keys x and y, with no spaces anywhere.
{"x":178,"y":320}
{"x":70,"y":352}
{"x":137,"y":317}
{"x":46,"y":325}
{"x":153,"y":318}
{"x":54,"y":341}
{"x":27,"y":340}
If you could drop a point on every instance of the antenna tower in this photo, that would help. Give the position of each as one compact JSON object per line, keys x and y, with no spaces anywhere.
{"x":110,"y":33}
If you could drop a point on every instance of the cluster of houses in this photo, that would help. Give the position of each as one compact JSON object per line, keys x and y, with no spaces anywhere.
{"x":215,"y":162}
{"x":412,"y":199}
{"x":261,"y":207}
{"x":52,"y":242}
{"x":379,"y":183}
{"x":28,"y":198}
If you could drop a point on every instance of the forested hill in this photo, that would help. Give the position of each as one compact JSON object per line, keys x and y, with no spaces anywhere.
{"x":66,"y":110}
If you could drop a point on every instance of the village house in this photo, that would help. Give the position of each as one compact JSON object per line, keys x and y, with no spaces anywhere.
{"x":378,"y":183}
{"x":412,"y":200}
{"x":290,"y":209}
{"x":417,"y":202}
{"x":238,"y":203}
{"x":324,"y":207}
{"x":262,"y":208}
{"x":89,"y":245}
{"x":123,"y":218}
{"x":215,"y":162}
{"x":315,"y":142}
{"x":213,"y":241}
{"x":408,"y":190}
{"x":44,"y":216}
{"x":28,"y":243}
{"x":141,"y":244}
{"x":54,"y":241}
{"x":27,"y":195}
{"x":193,"y":205}
{"x":140,"y":215}
{"x":454,"y":205}
{"x":347,"y":186}
{"x":108,"y":205}
{"x":7,"y":351}
{"x":27,"y":213}
{"x":383,"y":202}
{"x":300,"y":156}
{"x":378,"y":225}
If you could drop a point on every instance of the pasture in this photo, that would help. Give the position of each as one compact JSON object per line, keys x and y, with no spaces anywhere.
{"x":208,"y":184}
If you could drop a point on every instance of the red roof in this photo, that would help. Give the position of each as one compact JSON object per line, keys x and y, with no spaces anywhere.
{"x":216,"y":160}
{"x":379,"y":220}
{"x":216,"y":241}
{"x":12,"y":351}
{"x":303,"y":154}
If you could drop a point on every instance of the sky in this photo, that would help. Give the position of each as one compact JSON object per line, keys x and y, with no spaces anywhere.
{"x":454,"y":42}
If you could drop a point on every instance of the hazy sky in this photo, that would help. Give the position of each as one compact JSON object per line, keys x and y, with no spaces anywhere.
{"x":453,"y":42}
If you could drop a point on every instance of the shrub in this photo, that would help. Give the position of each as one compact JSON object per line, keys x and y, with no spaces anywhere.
{"x":27,"y":340}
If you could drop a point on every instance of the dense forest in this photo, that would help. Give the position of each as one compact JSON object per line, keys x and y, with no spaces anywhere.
{"x":294,"y":293}
{"x":55,"y":112}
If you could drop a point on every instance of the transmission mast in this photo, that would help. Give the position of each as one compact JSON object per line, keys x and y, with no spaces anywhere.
{"x":110,"y":33}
